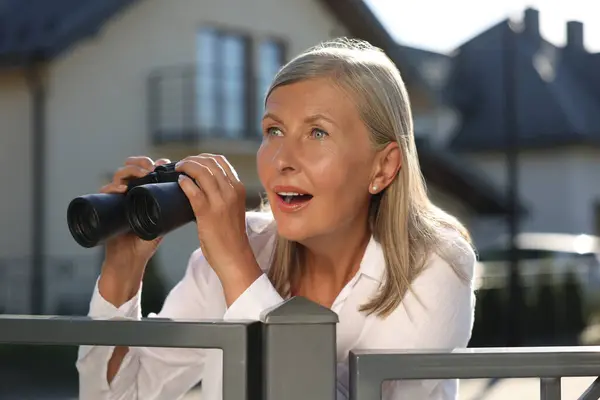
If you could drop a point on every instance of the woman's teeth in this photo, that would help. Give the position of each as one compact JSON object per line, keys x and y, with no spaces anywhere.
{"x":288,"y":197}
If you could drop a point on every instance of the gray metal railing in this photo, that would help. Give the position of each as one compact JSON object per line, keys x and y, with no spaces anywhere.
{"x":291,"y":353}
{"x":368,"y":370}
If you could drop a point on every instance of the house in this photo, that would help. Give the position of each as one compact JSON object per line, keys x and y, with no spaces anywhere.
{"x":86,"y":83}
{"x":558,"y":122}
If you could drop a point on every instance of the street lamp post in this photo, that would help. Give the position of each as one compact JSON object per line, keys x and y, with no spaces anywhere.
{"x":515,"y":304}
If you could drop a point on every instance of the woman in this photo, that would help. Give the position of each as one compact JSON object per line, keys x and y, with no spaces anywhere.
{"x":350,"y":227}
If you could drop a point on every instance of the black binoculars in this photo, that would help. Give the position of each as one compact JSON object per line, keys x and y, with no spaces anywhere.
{"x":151,"y":207}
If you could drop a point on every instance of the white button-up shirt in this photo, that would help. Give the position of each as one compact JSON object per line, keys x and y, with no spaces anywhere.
{"x":436,"y":314}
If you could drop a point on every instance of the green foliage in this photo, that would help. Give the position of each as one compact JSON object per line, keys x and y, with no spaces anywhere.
{"x":154,"y":290}
{"x":551,"y":313}
{"x":488,"y":329}
{"x":545,"y":318}
{"x":573,"y":310}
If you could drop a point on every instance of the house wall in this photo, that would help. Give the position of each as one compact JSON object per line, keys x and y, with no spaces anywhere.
{"x":557,"y":186}
{"x":15,"y":165}
{"x":97,"y":102}
{"x":16,"y":193}
{"x":97,"y":116}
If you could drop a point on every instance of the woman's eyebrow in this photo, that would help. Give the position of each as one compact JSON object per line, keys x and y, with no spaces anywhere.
{"x":309,"y":120}
{"x":319,"y":117}
{"x":273,"y":117}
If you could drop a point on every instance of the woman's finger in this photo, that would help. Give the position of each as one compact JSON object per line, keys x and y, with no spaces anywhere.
{"x":162,"y":161}
{"x":127,"y":172}
{"x":113,"y":188}
{"x":141,"y":161}
{"x":225,"y":184}
{"x":227,"y":167}
{"x":195,"y":195}
{"x":203,"y":177}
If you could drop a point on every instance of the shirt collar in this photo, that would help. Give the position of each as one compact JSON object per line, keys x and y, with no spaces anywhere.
{"x":373,"y":261}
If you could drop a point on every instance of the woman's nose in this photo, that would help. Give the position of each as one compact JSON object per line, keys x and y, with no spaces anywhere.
{"x":284,"y":158}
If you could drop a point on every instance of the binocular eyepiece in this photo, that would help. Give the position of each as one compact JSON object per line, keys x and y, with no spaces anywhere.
{"x":151,"y":207}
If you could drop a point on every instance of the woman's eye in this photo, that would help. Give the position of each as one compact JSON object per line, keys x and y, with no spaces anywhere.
{"x":274,"y":132}
{"x":319,"y":134}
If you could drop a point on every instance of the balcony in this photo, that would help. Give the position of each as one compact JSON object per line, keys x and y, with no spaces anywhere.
{"x":188,"y":108}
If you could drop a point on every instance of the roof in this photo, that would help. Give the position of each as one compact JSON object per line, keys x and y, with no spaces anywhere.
{"x":39,"y":30}
{"x":453,"y":175}
{"x":557,"y":93}
{"x":361,"y":22}
{"x":431,"y":69}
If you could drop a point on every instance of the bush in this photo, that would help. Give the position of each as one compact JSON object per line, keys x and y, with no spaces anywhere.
{"x":154,"y":290}
{"x":488,"y":329}
{"x":574,"y":321}
{"x":546,"y":308}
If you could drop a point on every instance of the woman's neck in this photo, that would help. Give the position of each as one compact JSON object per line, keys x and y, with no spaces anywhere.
{"x":333,"y":260}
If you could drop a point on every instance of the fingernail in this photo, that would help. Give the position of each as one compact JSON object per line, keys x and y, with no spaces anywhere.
{"x":123,"y":187}
{"x":181,"y":178}
{"x":178,"y":165}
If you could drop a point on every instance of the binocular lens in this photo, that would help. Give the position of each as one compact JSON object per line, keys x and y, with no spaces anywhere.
{"x":143,"y":214}
{"x":94,"y":218}
{"x":148,"y":210}
{"x":155,"y":209}
{"x":83,"y":222}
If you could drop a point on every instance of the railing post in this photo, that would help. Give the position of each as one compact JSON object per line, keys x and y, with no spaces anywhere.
{"x":299,"y":351}
{"x":550,"y":389}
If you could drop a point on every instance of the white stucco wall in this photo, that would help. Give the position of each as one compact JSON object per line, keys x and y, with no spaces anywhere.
{"x":15,"y":166}
{"x":559,"y":187}
{"x":97,"y":101}
{"x":97,"y":114}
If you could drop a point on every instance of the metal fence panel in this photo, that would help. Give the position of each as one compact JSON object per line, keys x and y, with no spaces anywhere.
{"x":240,"y":341}
{"x":368,"y":369}
{"x":291,"y":354}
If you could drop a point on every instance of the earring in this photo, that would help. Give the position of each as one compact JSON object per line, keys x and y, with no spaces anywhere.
{"x":375,"y":189}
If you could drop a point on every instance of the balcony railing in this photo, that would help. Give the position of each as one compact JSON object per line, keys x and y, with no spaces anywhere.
{"x":186,"y":107}
{"x":291,"y":353}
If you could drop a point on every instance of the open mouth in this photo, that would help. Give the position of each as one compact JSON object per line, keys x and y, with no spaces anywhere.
{"x":294,"y":198}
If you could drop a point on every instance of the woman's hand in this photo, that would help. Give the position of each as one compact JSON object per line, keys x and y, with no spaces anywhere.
{"x":126,"y":255}
{"x":218,"y":199}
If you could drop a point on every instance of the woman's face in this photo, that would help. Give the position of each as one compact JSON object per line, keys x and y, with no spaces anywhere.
{"x":316,"y":160}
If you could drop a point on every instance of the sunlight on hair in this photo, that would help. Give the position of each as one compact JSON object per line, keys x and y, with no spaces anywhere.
{"x":402,"y":218}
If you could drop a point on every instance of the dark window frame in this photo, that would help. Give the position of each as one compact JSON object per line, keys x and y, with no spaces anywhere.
{"x":283,"y":48}
{"x":253,"y":107}
{"x":175,"y":97}
{"x":222,"y":33}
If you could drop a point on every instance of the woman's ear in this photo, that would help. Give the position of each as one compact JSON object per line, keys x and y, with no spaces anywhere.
{"x":386,"y":166}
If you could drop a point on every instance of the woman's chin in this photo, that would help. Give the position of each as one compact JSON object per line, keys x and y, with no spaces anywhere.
{"x":292,"y":233}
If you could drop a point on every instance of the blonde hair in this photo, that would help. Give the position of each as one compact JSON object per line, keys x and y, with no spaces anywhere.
{"x":402,"y":218}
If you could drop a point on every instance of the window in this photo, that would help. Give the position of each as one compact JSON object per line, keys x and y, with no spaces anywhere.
{"x":221,"y":84}
{"x":228,"y":103}
{"x":270,"y":59}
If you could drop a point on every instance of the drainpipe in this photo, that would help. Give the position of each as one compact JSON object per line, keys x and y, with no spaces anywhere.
{"x":37,"y":93}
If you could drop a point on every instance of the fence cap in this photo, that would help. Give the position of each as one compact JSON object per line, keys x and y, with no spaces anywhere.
{"x":299,"y":310}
